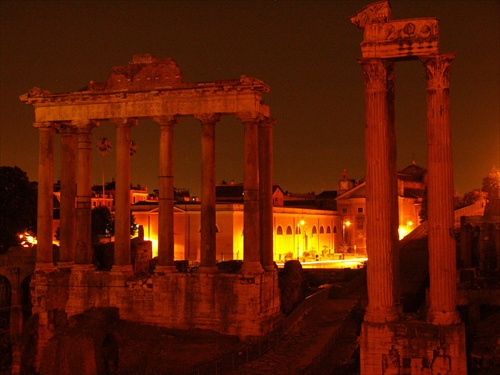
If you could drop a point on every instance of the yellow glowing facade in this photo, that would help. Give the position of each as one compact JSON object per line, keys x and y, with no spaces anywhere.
{"x":306,"y":234}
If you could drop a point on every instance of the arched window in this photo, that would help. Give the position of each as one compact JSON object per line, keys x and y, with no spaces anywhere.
{"x":321,"y":230}
{"x":297,"y":229}
{"x":335,"y":229}
{"x":314,"y":230}
{"x":279,"y":230}
{"x":289,"y":230}
{"x":328,"y":229}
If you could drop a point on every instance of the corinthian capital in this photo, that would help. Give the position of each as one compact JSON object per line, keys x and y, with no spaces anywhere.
{"x":166,"y":120}
{"x":378,"y":74}
{"x":84,"y":126}
{"x":124,"y":121}
{"x":208,"y":118}
{"x":437,"y":70}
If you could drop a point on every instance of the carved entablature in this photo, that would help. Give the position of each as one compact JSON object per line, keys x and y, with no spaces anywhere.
{"x":401,"y":38}
{"x":390,"y":39}
{"x":149,"y":87}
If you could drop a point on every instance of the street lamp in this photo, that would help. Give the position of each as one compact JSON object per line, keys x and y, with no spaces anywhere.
{"x":345,"y":224}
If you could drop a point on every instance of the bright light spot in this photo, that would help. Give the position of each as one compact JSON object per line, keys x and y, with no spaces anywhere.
{"x":347,"y":223}
{"x":302,"y":222}
{"x":26,"y":239}
{"x":154,"y":245}
{"x":402,"y":232}
{"x":339,"y":263}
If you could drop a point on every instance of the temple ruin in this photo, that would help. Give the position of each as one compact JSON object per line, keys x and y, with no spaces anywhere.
{"x":390,"y":342}
{"x":244,"y":304}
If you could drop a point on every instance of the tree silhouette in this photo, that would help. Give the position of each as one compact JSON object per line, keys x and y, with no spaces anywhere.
{"x":491,"y":182}
{"x":17,"y":206}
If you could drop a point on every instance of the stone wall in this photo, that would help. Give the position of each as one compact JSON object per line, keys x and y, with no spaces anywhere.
{"x":232,"y":304}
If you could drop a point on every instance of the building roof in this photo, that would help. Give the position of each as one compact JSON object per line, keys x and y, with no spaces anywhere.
{"x":332,"y":194}
{"x":412,"y":172}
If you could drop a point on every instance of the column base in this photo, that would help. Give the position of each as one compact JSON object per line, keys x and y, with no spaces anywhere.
{"x":379,"y":315}
{"x":253,"y":268}
{"x":269,"y":268}
{"x":124,"y":269}
{"x":65,"y":264}
{"x":207,"y":269}
{"x":82,"y":268}
{"x":45,"y":267}
{"x":161,"y":270}
{"x":440,"y":318}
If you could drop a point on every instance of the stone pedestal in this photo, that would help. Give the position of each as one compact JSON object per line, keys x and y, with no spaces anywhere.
{"x":412,"y":348}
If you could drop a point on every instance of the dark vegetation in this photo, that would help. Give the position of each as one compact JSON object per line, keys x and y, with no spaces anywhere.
{"x":18,"y":205}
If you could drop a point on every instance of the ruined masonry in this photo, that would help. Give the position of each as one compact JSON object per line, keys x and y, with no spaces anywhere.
{"x":389,"y":343}
{"x":244,"y":304}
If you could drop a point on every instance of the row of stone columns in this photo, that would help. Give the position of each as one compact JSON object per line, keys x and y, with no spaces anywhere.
{"x":381,"y":192}
{"x":75,"y":226}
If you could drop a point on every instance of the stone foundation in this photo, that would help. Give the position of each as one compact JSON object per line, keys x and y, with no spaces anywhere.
{"x":412,"y":348}
{"x":232,"y":304}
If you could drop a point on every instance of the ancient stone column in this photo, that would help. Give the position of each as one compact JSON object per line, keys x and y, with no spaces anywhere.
{"x":251,"y":222}
{"x":442,"y":252}
{"x":83,"y":245}
{"x":166,"y":196}
{"x":379,"y":192}
{"x":44,"y":259}
{"x":391,"y":101}
{"x":266,"y":193}
{"x":122,"y":195}
{"x":208,"y":219}
{"x":68,"y":196}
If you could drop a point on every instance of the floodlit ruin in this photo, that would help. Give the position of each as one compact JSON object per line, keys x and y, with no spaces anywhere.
{"x":244,"y":304}
{"x":389,"y":343}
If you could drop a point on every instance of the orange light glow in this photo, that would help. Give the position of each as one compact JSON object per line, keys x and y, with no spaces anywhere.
{"x":26,"y":239}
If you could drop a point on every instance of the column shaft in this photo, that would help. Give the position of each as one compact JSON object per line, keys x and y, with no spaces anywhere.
{"x":379,"y":151}
{"x":122,"y":196}
{"x":44,"y":259}
{"x":266,"y":193}
{"x":68,"y":196}
{"x":251,"y":222}
{"x":391,"y":101}
{"x":166,"y":196}
{"x":83,"y":245}
{"x":442,"y":252}
{"x":208,"y":214}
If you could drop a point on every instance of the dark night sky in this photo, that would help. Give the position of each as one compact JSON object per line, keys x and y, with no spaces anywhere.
{"x":305,"y":51}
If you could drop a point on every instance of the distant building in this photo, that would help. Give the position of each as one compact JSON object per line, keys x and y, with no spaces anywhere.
{"x":299,"y":233}
{"x":351,"y":205}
